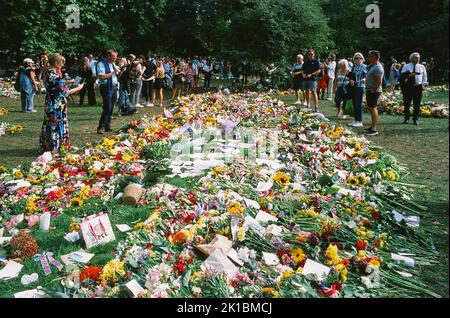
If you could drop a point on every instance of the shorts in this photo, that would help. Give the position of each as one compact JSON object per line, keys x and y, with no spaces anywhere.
{"x":159,"y":83}
{"x":372,"y":99}
{"x":297,"y":83}
{"x":310,"y":85}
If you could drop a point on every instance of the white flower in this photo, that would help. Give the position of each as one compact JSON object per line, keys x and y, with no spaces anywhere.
{"x":244,"y":254}
{"x":274,"y":230}
{"x":196,"y":291}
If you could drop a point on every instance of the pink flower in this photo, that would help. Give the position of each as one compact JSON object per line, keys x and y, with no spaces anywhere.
{"x":32,"y":220}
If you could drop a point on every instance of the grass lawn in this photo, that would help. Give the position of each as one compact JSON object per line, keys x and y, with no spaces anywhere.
{"x":423,"y":149}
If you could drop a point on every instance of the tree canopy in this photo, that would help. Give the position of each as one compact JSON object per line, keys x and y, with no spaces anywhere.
{"x":260,"y":30}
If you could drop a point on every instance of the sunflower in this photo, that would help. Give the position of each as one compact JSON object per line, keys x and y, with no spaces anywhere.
{"x":353,"y":181}
{"x":281,"y":179}
{"x":18,"y":174}
{"x":71,"y":161}
{"x":2,"y":169}
{"x":76,"y":202}
{"x":298,"y":255}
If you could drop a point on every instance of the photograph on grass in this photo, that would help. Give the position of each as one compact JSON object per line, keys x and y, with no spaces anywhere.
{"x":224,"y":149}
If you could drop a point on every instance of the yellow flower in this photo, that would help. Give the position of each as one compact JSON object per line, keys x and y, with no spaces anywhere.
{"x":76,"y":202}
{"x":352,"y":180}
{"x":332,"y":254}
{"x":71,"y":161}
{"x":31,"y":205}
{"x":74,"y":226}
{"x":113,"y":270}
{"x":390,"y":175}
{"x":139,"y":225}
{"x":298,"y":255}
{"x":374,"y":263}
{"x":281,"y":179}
{"x":236,"y":208}
{"x":241,"y":234}
{"x":18,"y":174}
{"x":2,"y":169}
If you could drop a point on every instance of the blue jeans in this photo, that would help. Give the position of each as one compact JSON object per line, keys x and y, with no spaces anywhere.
{"x":136,"y":94}
{"x":109,"y":99}
{"x":27,"y":99}
{"x":124,"y":100}
{"x":358,"y":103}
{"x":340,"y":97}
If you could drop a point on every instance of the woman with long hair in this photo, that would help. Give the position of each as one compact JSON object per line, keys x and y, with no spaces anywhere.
{"x":160,"y":74}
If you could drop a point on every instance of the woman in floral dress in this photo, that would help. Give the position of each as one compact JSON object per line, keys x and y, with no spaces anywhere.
{"x":55,"y":129}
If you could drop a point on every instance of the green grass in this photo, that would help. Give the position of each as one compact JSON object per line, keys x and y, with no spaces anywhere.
{"x":423,"y":149}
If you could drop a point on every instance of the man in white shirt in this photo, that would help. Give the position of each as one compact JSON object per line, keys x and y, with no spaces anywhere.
{"x":416,"y":75}
{"x":107,"y":73}
{"x":331,"y":71}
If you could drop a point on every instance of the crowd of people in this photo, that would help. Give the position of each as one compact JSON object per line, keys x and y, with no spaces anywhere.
{"x":353,"y":80}
{"x":139,"y":81}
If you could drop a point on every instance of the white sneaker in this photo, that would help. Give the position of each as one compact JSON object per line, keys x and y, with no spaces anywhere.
{"x":149,"y":105}
{"x":330,"y":98}
{"x":298,"y":102}
{"x":304,"y":104}
{"x":307,"y":109}
{"x":352,"y":124}
{"x":358,"y":124}
{"x":139,"y":105}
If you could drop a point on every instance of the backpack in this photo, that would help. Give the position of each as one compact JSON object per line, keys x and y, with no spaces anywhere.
{"x":17,"y":86}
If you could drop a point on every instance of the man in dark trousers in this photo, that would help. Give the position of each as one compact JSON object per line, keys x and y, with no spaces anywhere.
{"x":107,"y":73}
{"x":412,"y":80}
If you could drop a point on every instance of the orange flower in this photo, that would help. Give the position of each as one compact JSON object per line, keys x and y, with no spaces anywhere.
{"x":179,"y":237}
{"x":91,"y":272}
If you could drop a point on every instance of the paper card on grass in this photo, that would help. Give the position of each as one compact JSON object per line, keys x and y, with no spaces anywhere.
{"x":312,"y":267}
{"x":298,"y":187}
{"x":220,"y":263}
{"x":270,"y":259}
{"x":264,"y":186}
{"x":265,"y":217}
{"x":79,"y":256}
{"x":408,"y":261}
{"x":123,"y":228}
{"x":218,"y":243}
{"x":233,"y":255}
{"x":11,"y":270}
{"x":4,"y":240}
{"x":344,"y":191}
{"x":252,"y":204}
{"x":254,"y":225}
{"x":32,"y":293}
{"x":133,"y":288}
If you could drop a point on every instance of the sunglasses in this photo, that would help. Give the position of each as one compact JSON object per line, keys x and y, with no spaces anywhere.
{"x":358,"y":58}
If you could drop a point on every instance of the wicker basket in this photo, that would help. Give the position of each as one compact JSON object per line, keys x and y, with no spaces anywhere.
{"x":131,"y":194}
